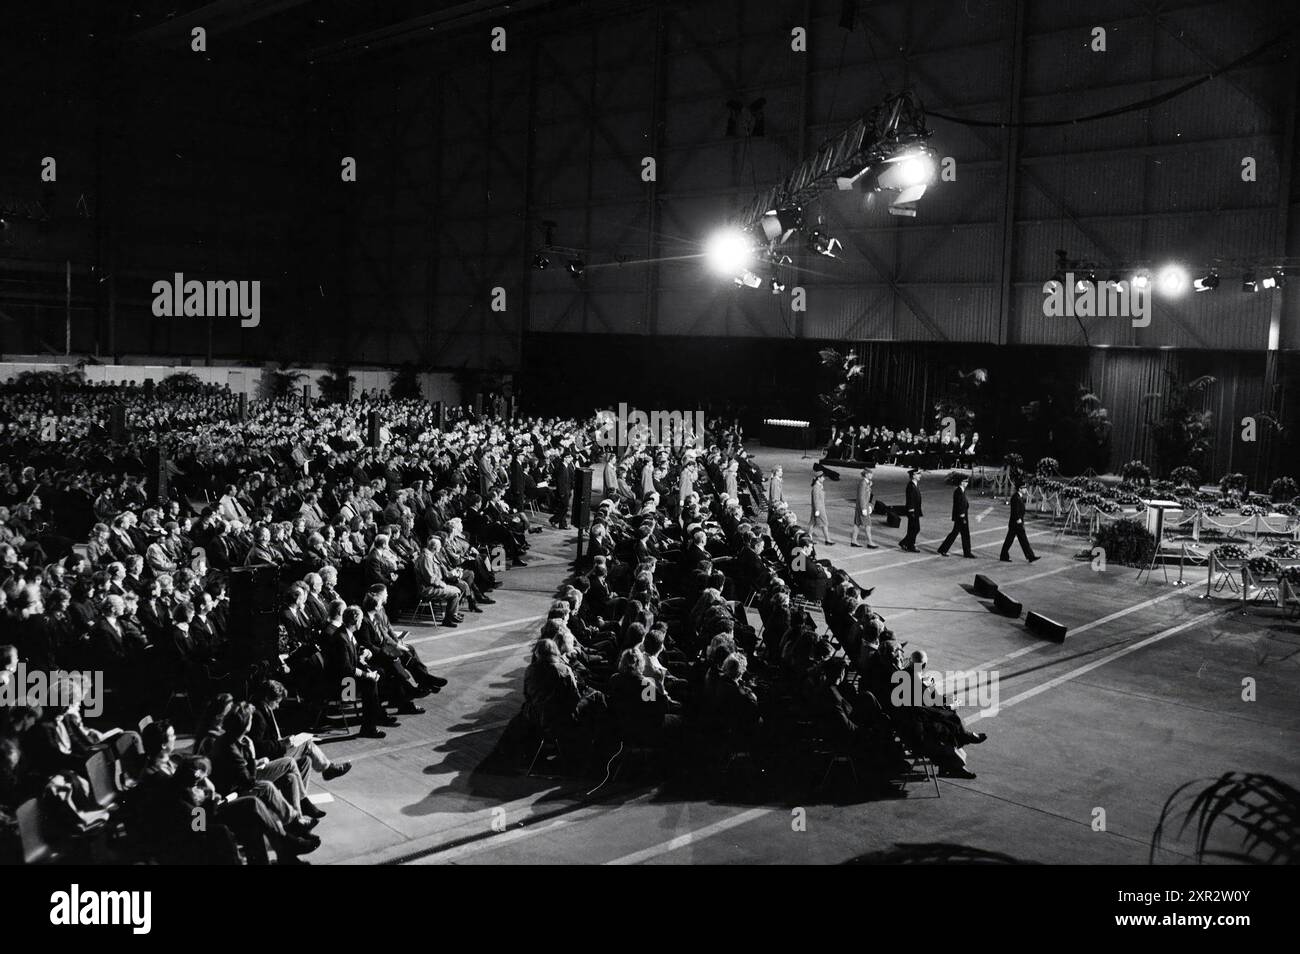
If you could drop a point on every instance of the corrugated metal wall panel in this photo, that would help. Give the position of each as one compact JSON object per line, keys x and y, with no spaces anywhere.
{"x":849,"y":314}
{"x":1149,"y":185}
{"x":966,"y":312}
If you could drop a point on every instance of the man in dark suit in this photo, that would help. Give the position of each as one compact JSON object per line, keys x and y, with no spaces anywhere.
{"x":393,"y":655}
{"x":1016,"y":528}
{"x":346,"y":669}
{"x":913,"y":511}
{"x":269,"y":742}
{"x":220,"y":555}
{"x":298,"y":626}
{"x":106,"y":641}
{"x":562,"y":477}
{"x":261,"y":554}
{"x":960,"y":521}
{"x":380,"y":564}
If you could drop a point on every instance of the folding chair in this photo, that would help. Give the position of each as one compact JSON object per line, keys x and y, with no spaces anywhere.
{"x":554,"y":743}
{"x":833,"y":759}
{"x":178,"y":693}
{"x":101,"y":775}
{"x":924,"y":767}
{"x":36,"y":845}
{"x":337,"y":707}
{"x":435,"y":604}
{"x":643,"y":754}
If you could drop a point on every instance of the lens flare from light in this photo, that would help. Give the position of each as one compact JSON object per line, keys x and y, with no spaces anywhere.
{"x":1172,"y":281}
{"x":729,"y":251}
{"x":907,"y":171}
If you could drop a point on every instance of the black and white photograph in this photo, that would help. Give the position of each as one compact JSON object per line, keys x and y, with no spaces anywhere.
{"x":722,"y":433}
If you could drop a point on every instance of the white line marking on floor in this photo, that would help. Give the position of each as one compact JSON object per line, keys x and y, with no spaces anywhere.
{"x":435,"y":663}
{"x":682,"y":841}
{"x":945,"y":609}
{"x":916,"y":559}
{"x":474,"y":821}
{"x":1059,"y":569}
{"x":510,"y":836}
{"x":885,"y":547}
{"x":452,"y":855}
{"x":1089,"y":667}
{"x":1025,"y":650}
{"x":457,"y":631}
{"x":390,"y":749}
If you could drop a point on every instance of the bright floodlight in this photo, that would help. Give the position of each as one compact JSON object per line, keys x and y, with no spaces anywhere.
{"x":907,"y":170}
{"x":1173,"y":280}
{"x":729,"y":251}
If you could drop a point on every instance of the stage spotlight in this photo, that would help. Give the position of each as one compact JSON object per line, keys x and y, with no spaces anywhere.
{"x":575,"y":267}
{"x":776,"y":286}
{"x":729,"y":251}
{"x":907,"y":169}
{"x":749,"y":279}
{"x":1172,"y":280}
{"x":779,"y":225}
{"x":1141,"y":280}
{"x":822,"y":244}
{"x":909,"y":173}
{"x":1207,"y":282}
{"x":1272,"y":281}
{"x":1248,"y":283}
{"x":541,"y":262}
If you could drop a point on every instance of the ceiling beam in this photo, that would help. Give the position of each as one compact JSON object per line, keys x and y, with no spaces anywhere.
{"x":220,"y":16}
{"x":441,"y":22}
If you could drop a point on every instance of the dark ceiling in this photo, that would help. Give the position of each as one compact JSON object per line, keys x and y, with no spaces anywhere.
{"x":307,"y":31}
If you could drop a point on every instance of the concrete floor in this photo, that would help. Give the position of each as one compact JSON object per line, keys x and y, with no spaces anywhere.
{"x":1144,"y":696}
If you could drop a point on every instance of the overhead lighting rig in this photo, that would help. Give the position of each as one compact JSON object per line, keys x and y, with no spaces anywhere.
{"x":1172,"y":280}
{"x":884,"y":151}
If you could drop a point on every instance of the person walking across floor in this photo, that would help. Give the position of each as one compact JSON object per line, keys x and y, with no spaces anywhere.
{"x":819,"y":518}
{"x":862,"y":512}
{"x":913,"y":511}
{"x":960,"y":521}
{"x":1016,"y":528}
{"x":775,"y":487}
{"x":562,"y":478}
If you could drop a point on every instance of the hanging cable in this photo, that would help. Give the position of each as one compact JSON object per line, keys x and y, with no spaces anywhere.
{"x":1131,"y":107}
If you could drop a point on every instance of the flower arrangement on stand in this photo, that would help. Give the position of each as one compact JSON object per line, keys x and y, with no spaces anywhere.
{"x":1232,"y":483}
{"x":1263,"y":566}
{"x":1283,"y":489}
{"x":1135,"y":472}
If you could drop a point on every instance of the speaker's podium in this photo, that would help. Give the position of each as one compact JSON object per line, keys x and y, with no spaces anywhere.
{"x":582,"y":481}
{"x":254,"y":623}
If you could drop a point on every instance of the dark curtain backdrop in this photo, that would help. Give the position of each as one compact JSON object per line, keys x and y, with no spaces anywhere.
{"x":903,"y":381}
{"x":1123,"y":379}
